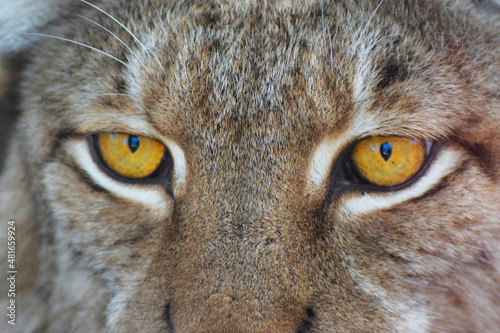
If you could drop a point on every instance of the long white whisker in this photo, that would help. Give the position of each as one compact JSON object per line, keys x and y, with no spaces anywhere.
{"x":159,"y":19}
{"x":115,"y":36}
{"x":381,"y":39}
{"x":77,"y":43}
{"x":324,"y":36}
{"x":118,"y":22}
{"x":107,"y":30}
{"x":371,"y":16}
{"x":156,"y":9}
{"x":129,"y":32}
{"x":366,"y":26}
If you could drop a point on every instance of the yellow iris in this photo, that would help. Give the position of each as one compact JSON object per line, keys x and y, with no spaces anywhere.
{"x":389,"y":161}
{"x":129,"y":155}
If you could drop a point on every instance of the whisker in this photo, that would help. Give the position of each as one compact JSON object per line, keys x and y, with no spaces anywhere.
{"x":118,"y":22}
{"x":381,"y":39}
{"x":366,"y":26}
{"x":112,"y":34}
{"x":105,"y":29}
{"x":129,"y":32}
{"x":156,"y":9}
{"x":324,"y":36}
{"x":77,"y":43}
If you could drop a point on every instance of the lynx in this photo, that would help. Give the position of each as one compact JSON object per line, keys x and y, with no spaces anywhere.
{"x":252,"y":166}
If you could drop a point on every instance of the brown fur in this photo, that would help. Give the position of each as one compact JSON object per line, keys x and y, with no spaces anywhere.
{"x":249,"y":91}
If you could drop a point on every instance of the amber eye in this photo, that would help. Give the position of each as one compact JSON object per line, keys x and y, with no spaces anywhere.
{"x":389,"y":161}
{"x":129,"y":155}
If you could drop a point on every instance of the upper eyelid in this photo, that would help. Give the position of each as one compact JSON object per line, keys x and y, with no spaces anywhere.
{"x":126,"y":133}
{"x":428,"y":142}
{"x":87,"y":124}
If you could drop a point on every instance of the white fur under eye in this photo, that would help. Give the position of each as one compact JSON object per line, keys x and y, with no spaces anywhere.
{"x":445,"y":162}
{"x":179,"y":164}
{"x":152,"y":196}
{"x":321,"y":162}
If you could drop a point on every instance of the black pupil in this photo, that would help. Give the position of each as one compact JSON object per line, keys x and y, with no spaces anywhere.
{"x":386,"y":150}
{"x":133,"y":143}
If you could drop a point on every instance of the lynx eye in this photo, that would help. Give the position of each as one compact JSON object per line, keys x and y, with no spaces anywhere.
{"x":389,"y":161}
{"x":129,"y":155}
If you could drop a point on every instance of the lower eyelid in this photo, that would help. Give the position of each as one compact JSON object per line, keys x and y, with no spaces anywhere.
{"x":445,"y":161}
{"x":153,"y":197}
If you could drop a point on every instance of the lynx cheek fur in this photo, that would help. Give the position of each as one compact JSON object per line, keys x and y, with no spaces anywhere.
{"x":258,"y":221}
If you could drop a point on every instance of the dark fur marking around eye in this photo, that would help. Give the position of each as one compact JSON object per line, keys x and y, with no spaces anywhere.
{"x":307,"y":323}
{"x":120,"y":85}
{"x":168,"y":318}
{"x":485,"y":157}
{"x":269,"y":241}
{"x":310,"y":313}
{"x":107,"y":101}
{"x":114,"y":101}
{"x":390,"y":74}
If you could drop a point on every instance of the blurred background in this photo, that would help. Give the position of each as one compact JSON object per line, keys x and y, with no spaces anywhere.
{"x":8,"y":100}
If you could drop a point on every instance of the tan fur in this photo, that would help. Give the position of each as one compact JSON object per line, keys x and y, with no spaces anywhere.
{"x":249,"y":91}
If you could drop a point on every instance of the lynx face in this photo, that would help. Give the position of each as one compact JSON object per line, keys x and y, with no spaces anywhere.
{"x":259,"y":167}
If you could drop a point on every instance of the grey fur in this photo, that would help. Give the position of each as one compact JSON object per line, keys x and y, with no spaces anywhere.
{"x":248,"y":238}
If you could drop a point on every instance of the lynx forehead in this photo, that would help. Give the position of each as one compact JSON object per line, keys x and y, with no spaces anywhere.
{"x":256,"y":166}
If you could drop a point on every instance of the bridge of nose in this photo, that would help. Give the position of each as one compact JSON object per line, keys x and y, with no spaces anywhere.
{"x":234,"y":249}
{"x":239,"y":246}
